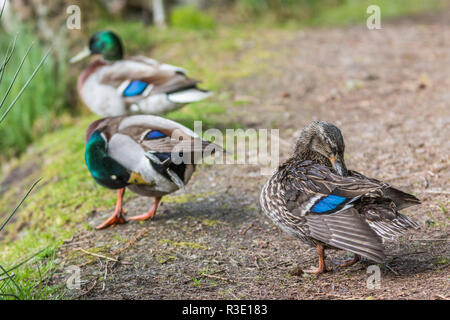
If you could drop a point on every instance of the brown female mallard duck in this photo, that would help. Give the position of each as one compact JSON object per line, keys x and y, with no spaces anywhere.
{"x":313,"y":197}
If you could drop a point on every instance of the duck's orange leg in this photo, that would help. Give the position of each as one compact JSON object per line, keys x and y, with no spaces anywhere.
{"x":117,"y":217}
{"x":150,"y":213}
{"x":322,"y":267}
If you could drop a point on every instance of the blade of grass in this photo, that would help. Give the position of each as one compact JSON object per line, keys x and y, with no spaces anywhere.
{"x":3,"y":8}
{"x":8,"y":56}
{"x":9,"y":295}
{"x":4,"y":278}
{"x":15,"y":76}
{"x":20,"y":203}
{"x":11,"y":279}
{"x":25,"y":86}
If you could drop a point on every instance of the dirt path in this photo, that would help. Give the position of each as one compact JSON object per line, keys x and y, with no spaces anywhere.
{"x":388,"y":92}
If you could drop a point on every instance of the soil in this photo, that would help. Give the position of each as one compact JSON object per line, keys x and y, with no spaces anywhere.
{"x":388,"y":92}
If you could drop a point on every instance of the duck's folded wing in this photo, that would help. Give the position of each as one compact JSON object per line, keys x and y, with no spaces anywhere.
{"x":135,"y":77}
{"x":351,"y":212}
{"x":382,"y":213}
{"x":325,"y":200}
{"x":178,"y":143}
{"x":158,"y":135}
{"x":153,"y":62}
{"x":189,"y":151}
{"x":332,"y":192}
{"x":401,"y":199}
{"x":317,"y":189}
{"x":346,"y":230}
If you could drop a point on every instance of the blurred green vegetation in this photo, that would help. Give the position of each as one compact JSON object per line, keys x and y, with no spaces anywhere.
{"x":327,"y":12}
{"x":354,"y":11}
{"x":189,"y":17}
{"x":43,"y":100}
{"x":288,"y":9}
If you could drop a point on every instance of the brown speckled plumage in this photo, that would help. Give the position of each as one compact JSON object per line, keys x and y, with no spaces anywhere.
{"x":368,"y":211}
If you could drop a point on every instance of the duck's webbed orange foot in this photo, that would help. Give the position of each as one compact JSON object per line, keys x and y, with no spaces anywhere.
{"x":149,"y":214}
{"x":316,"y":270}
{"x":322,"y":266}
{"x":117,"y":217}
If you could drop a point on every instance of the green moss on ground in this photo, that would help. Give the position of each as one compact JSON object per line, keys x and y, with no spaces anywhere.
{"x":182,"y":244}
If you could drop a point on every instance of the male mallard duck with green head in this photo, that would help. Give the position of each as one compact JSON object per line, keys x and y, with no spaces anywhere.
{"x":149,"y":155}
{"x":314,"y":198}
{"x":115,"y":86}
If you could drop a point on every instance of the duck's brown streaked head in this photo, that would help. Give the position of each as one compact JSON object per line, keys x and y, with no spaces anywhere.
{"x":322,"y":142}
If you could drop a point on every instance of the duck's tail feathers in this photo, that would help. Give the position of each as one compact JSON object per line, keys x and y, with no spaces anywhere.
{"x":189,"y":95}
{"x":393,"y":228}
{"x":401,"y":199}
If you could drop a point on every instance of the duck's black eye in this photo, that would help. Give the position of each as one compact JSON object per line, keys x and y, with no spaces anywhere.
{"x":154,"y":134}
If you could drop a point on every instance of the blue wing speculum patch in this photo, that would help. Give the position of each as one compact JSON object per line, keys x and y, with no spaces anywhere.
{"x":329,"y":204}
{"x":135,"y":88}
{"x":154,"y":134}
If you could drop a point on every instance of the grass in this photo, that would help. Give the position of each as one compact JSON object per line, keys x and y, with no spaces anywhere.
{"x":66,"y":193}
{"x":17,"y":281}
{"x":196,"y":282}
{"x":189,"y":17}
{"x":30,"y":278}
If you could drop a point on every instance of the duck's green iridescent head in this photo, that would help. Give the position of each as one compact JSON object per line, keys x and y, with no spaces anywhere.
{"x":108,"y":44}
{"x":105,"y":43}
{"x":104,"y":169}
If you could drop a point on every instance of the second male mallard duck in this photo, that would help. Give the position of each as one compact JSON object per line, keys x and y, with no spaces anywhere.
{"x":115,"y":86}
{"x":150,"y":155}
{"x":314,"y":198}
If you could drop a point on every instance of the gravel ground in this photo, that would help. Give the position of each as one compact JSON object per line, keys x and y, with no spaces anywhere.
{"x":388,"y":92}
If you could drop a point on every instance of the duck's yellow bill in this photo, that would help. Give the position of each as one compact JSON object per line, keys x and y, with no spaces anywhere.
{"x":338,"y":165}
{"x":80,"y":56}
{"x":136,"y":178}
